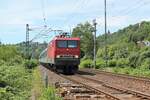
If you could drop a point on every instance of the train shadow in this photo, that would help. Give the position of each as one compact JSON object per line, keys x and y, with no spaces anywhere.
{"x":78,"y":72}
{"x":86,"y":73}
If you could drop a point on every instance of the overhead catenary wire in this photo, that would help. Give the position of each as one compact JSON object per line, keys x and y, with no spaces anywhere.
{"x":131,"y":8}
{"x":46,"y":30}
{"x":128,"y":7}
{"x":39,"y":34}
{"x":76,"y":6}
{"x":44,"y":33}
{"x":137,"y":7}
{"x":44,"y":20}
{"x":43,"y":12}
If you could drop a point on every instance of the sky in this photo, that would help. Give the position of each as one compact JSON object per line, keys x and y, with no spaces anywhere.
{"x":65,"y":15}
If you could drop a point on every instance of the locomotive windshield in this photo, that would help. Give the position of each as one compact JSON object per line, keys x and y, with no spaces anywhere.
{"x":62,"y":44}
{"x":66,"y":43}
{"x":72,"y":44}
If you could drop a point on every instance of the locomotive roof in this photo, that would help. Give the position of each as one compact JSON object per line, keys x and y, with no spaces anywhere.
{"x":66,"y":38}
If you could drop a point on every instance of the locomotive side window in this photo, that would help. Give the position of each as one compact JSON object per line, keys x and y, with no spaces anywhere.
{"x":72,"y":44}
{"x":62,"y":44}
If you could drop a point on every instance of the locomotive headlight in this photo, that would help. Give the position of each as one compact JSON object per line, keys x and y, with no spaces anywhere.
{"x":58,"y":56}
{"x":76,"y":56}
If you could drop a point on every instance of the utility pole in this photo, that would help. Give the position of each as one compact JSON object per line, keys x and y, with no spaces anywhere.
{"x":70,"y":31}
{"x":27,"y":41}
{"x":105,"y":12}
{"x":94,"y":24}
{"x":0,"y":42}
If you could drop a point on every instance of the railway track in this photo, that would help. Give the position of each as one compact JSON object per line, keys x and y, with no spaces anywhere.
{"x":111,"y":92}
{"x":84,"y":86}
{"x":101,"y":95}
{"x":140,"y":84}
{"x":70,"y":90}
{"x":145,"y":79}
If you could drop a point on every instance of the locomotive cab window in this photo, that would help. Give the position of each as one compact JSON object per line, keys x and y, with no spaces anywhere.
{"x":72,"y":44}
{"x":62,"y":44}
{"x":67,"y":44}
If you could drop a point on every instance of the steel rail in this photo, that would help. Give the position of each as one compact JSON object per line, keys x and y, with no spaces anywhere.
{"x":146,"y":79}
{"x":125,"y":90}
{"x":108,"y":95}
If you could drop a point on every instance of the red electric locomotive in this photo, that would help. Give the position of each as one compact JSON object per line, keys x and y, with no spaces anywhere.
{"x":62,"y":54}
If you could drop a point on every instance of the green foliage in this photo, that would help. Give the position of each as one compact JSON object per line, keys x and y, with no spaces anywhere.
{"x":100,"y":64}
{"x":125,"y":70}
{"x":132,"y":71}
{"x":140,"y":72}
{"x":30,"y":64}
{"x":133,"y":58}
{"x":84,"y":31}
{"x":124,"y":52}
{"x":146,"y":54}
{"x":88,"y":63}
{"x":17,"y":83}
{"x":8,"y":52}
{"x":100,"y":53}
{"x":35,"y":49}
{"x":49,"y":94}
{"x":146,"y":64}
{"x":2,"y":62}
{"x":112,"y":63}
{"x":122,"y":47}
{"x":122,"y":62}
{"x":15,"y":80}
{"x":40,"y":92}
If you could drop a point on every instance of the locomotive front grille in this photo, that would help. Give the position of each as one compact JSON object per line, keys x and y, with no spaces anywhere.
{"x":67,"y":56}
{"x":67,"y":61}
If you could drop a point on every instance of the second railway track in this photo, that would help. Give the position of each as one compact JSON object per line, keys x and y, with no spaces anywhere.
{"x":145,"y":79}
{"x":140,"y":84}
{"x":111,"y":92}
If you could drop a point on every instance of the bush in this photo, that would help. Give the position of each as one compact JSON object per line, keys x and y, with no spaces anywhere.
{"x":100,"y":63}
{"x":112,"y":63}
{"x":88,"y":63}
{"x":16,"y":81}
{"x":30,"y":63}
{"x":146,"y":54}
{"x":125,"y":70}
{"x":140,"y":72}
{"x":2,"y":62}
{"x":8,"y":52}
{"x":146,"y":64}
{"x":122,"y":62}
{"x":132,"y":71}
{"x":100,"y":53}
{"x":134,"y":58}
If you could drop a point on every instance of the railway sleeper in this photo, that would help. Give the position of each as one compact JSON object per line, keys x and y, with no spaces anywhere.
{"x":76,"y":91}
{"x":122,"y":89}
{"x":85,"y":97}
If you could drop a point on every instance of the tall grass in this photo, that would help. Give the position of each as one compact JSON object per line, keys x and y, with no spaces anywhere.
{"x":39,"y":91}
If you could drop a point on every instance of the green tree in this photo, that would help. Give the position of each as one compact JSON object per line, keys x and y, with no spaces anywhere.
{"x":84,"y":31}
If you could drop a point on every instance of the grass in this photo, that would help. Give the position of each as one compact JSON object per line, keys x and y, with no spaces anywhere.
{"x":37,"y":84}
{"x":142,"y":72}
{"x":39,"y":91}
